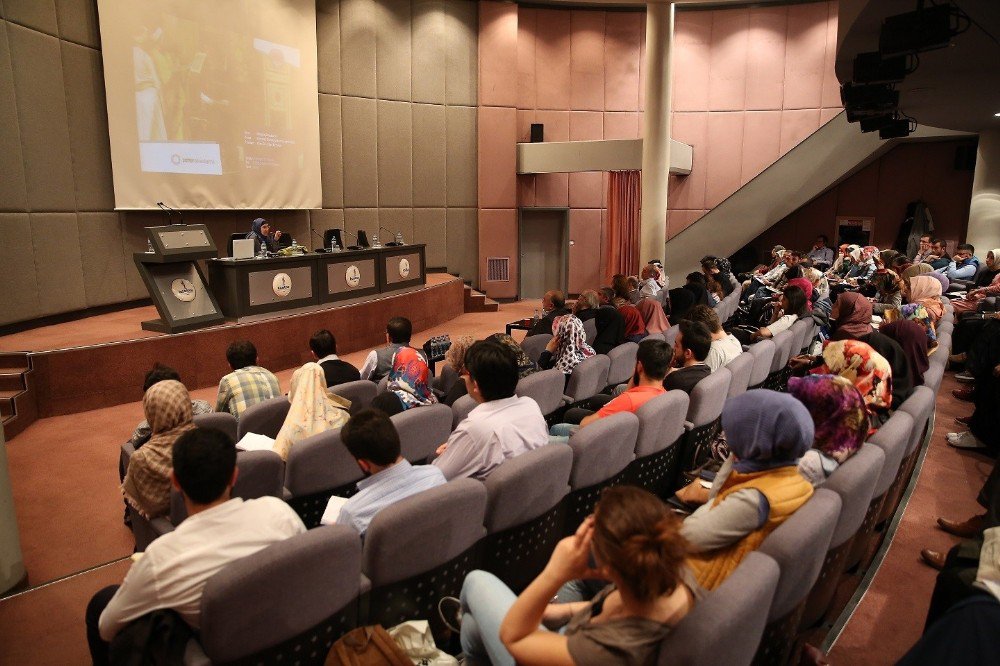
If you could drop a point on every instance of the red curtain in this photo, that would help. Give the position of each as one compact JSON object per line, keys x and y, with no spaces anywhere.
{"x":624,"y":199}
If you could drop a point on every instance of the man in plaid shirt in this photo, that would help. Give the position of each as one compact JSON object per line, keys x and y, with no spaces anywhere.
{"x":248,"y":383}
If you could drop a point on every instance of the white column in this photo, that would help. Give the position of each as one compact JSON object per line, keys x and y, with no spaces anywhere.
{"x":984,"y":210}
{"x":656,"y":132}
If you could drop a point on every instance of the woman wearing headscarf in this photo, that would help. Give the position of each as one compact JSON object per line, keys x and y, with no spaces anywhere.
{"x":757,"y":488}
{"x":988,"y":286}
{"x":525,"y":366}
{"x":409,"y":383}
{"x":839,"y":417}
{"x":146,"y":487}
{"x":913,"y":339}
{"x":868,"y":370}
{"x":314,"y":409}
{"x":926,"y":291}
{"x":914,"y":270}
{"x":843,"y":262}
{"x":262,"y":237}
{"x":568,"y":346}
{"x":888,"y":290}
{"x":652,"y":315}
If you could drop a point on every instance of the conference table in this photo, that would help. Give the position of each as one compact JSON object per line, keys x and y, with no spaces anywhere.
{"x":258,"y":286}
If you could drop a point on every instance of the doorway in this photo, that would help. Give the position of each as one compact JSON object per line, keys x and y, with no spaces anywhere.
{"x":544,"y":260}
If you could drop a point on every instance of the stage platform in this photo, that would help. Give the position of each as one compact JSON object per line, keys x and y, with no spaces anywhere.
{"x":100,"y":361}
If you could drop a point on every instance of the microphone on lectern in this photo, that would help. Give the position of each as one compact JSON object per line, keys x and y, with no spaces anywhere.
{"x":170,"y":212}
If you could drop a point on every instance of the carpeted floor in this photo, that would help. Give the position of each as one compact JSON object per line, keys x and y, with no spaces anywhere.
{"x":65,"y":484}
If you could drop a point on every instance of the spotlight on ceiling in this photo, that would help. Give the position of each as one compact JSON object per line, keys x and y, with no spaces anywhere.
{"x":872,"y":68}
{"x":925,"y":29}
{"x":897,"y":128}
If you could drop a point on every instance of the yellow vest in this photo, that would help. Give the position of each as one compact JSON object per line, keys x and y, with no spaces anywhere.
{"x":785,"y":489}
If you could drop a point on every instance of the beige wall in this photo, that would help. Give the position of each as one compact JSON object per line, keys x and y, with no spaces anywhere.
{"x":397,"y":83}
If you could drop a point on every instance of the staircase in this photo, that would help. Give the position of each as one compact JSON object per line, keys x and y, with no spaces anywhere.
{"x":828,"y":155}
{"x":18,"y":409}
{"x":478,"y":302}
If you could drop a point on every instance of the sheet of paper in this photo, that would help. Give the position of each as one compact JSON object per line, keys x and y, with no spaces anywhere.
{"x":332,"y":510}
{"x":254,"y":442}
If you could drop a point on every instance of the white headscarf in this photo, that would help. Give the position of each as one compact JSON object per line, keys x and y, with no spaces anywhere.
{"x":314,"y":409}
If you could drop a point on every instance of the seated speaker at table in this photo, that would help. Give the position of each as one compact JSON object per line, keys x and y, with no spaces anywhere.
{"x":262,"y":236}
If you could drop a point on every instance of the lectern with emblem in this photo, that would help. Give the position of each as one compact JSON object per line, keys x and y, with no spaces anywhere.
{"x":175,"y":282}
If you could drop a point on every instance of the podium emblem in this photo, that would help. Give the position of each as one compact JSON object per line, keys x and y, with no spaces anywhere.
{"x":282,"y":285}
{"x":183,"y":290}
{"x":353,"y":276}
{"x":404,"y":268}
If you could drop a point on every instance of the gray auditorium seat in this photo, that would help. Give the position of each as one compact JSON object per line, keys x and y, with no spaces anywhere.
{"x":534,"y":345}
{"x":545,"y":388}
{"x":763,"y":354}
{"x":422,"y":430}
{"x":461,"y":407}
{"x":622,"y":363}
{"x":587,"y":378}
{"x":704,"y":415}
{"x":590,"y":329}
{"x":317,"y":468}
{"x":264,"y":418}
{"x":221,"y":421}
{"x":657,"y":447}
{"x":360,"y":393}
{"x":601,"y":451}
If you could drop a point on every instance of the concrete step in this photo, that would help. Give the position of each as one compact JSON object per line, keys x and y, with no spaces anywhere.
{"x":478,"y":302}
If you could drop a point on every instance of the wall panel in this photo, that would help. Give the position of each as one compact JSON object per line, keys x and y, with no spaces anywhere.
{"x":88,"y":128}
{"x":461,"y":156}
{"x":357,"y":47}
{"x":393,"y":52}
{"x":395,"y":154}
{"x":328,"y":45}
{"x":361,"y":182}
{"x":331,"y":150}
{"x":461,"y":77}
{"x":429,"y":51}
{"x":103,"y":265}
{"x":430,"y":167}
{"x":55,"y":238}
{"x":463,"y":242}
{"x":20,"y":300}
{"x":13,"y":192}
{"x":78,"y":22}
{"x":36,"y":14}
{"x":430,"y":226}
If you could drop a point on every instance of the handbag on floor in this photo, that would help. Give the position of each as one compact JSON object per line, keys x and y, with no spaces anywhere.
{"x":367,"y":646}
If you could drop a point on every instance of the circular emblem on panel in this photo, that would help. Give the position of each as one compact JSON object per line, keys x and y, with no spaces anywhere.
{"x":183,"y":290}
{"x":353,"y":276}
{"x":281,"y":285}
{"x":404,"y":268}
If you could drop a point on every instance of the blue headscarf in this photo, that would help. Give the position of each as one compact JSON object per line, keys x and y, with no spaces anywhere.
{"x":257,"y":224}
{"x":766,"y":429}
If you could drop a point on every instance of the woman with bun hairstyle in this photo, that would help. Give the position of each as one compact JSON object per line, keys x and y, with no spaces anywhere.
{"x":631,"y":540}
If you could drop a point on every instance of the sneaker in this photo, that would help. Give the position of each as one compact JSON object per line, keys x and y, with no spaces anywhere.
{"x":954,"y":436}
{"x":450,"y":612}
{"x":965,"y":378}
{"x":966,"y":441}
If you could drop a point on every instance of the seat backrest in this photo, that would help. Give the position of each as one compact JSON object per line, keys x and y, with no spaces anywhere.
{"x":527,"y":486}
{"x":312,"y":575}
{"x":422,"y":430}
{"x":264,"y":418}
{"x":544,"y":387}
{"x":725,"y":627}
{"x":424,"y":531}
{"x":221,"y":421}
{"x":589,"y":377}
{"x":603,"y":449}
{"x":740,"y":368}
{"x":708,"y":396}
{"x":461,"y":407}
{"x":799,"y":547}
{"x":782,"y":349}
{"x":534,"y":345}
{"x":671,"y":334}
{"x":590,"y":329}
{"x":802,"y":330}
{"x":855,"y":482}
{"x":446,"y":379}
{"x":933,"y":377}
{"x":763,"y":353}
{"x":360,"y":393}
{"x":920,"y":405}
{"x":656,"y":336}
{"x":661,"y":422}
{"x":893,"y":438}
{"x":318,"y":463}
{"x":622,"y":363}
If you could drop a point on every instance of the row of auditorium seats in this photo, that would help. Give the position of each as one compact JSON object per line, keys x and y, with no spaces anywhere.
{"x":421,"y":548}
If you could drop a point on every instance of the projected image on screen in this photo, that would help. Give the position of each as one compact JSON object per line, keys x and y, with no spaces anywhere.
{"x":212,"y":104}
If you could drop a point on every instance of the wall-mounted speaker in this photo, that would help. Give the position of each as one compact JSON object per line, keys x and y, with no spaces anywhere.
{"x":537,"y":132}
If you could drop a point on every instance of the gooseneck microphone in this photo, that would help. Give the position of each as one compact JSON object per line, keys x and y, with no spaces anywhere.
{"x":170,"y":212}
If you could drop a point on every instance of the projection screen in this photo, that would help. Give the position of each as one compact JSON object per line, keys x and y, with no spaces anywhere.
{"x":212,"y":103}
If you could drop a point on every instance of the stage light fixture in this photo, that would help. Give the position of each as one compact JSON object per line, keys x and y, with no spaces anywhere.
{"x":871,"y":67}
{"x":897,"y":129}
{"x":876,"y":123}
{"x":861,"y":96}
{"x":925,"y":29}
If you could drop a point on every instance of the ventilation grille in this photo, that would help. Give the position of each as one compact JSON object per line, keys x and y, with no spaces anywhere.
{"x":498,"y":269}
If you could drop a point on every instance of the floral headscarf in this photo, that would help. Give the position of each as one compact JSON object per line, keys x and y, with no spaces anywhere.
{"x":525,"y":366}
{"x":864,"y":367}
{"x":409,"y":378}
{"x":147,"y":481}
{"x":455,"y":356}
{"x":572,"y":346}
{"x":868,"y":252}
{"x":314,"y":409}
{"x":918,"y":314}
{"x":838,"y":412}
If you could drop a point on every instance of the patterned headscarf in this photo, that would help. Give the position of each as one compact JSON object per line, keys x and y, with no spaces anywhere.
{"x":926,"y":290}
{"x":868,"y":252}
{"x":314,"y":409}
{"x":147,"y":481}
{"x":837,"y":410}
{"x":918,"y":314}
{"x":455,"y":356}
{"x":854,"y":317}
{"x":766,"y":429}
{"x":525,"y":366}
{"x":864,"y":367}
{"x":572,"y":346}
{"x":854,"y":251}
{"x":409,"y":378}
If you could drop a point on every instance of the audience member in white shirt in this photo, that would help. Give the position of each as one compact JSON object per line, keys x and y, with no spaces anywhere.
{"x":649,"y":287}
{"x":792,"y":306}
{"x":172,"y":572}
{"x":501,"y":426}
{"x":725,"y":347}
